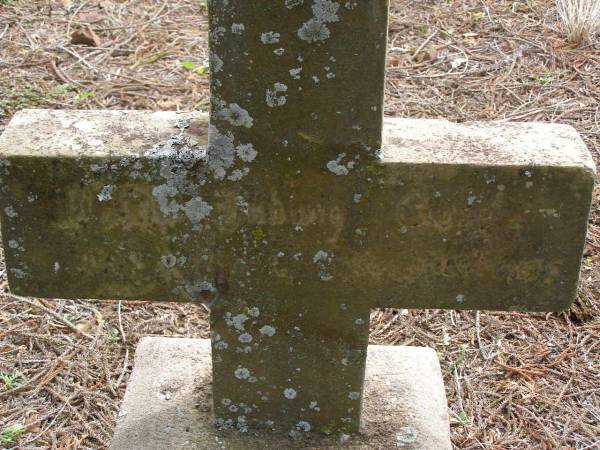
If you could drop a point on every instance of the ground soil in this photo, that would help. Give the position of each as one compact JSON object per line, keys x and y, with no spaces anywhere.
{"x":513,"y":380}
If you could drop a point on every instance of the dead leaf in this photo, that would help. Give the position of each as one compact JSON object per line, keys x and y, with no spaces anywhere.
{"x":32,"y":423}
{"x":85,"y":326}
{"x":84,"y":35}
{"x":426,"y":55}
{"x":68,"y":4}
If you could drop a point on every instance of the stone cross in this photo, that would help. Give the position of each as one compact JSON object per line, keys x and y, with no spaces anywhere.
{"x":289,"y":213}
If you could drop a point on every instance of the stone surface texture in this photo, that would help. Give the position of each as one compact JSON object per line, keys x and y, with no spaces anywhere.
{"x":168,"y":404}
{"x":286,"y":214}
{"x":126,"y":205}
{"x":518,"y":213}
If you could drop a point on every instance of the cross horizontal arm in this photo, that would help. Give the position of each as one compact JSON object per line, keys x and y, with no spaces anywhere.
{"x":115,"y":205}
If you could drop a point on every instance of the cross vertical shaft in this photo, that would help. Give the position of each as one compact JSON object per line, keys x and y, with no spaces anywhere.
{"x":299,"y":84}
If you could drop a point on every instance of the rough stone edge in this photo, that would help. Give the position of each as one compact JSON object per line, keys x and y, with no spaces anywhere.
{"x":419,"y":141}
{"x":161,"y":407}
{"x":529,"y":144}
{"x":92,"y":133}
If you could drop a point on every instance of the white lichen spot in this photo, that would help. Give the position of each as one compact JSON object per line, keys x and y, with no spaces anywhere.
{"x":406,"y":436}
{"x":293,"y":3}
{"x":359,"y":321}
{"x":245,"y":338}
{"x":221,"y":152}
{"x":196,"y":209}
{"x":13,"y":244}
{"x":338,"y":168}
{"x":238,"y":321}
{"x":326,"y":10}
{"x":246,"y":152}
{"x":216,"y":34}
{"x":314,"y":406}
{"x":18,"y":273}
{"x":215,"y":62}
{"x":357,"y":198}
{"x":323,"y":260}
{"x":199,"y":288}
{"x":179,"y":157}
{"x":241,"y":373}
{"x":106,"y":193}
{"x":254,"y":311}
{"x":314,"y":31}
{"x":303,"y":426}
{"x":241,"y":203}
{"x":238,"y":174}
{"x":551,"y":212}
{"x":289,"y":393}
{"x":56,"y":266}
{"x":226,"y":402}
{"x":268,"y":330}
{"x":236,"y":115}
{"x":10,"y":212}
{"x":471,"y":199}
{"x":270,"y":37}
{"x":237,"y":28}
{"x":460,"y":298}
{"x":220,"y":345}
{"x":168,"y":261}
{"x":354,"y":395}
{"x":279,"y":51}
{"x":275,"y":97}
{"x":321,"y":256}
{"x":489,"y":179}
{"x":295,"y":73}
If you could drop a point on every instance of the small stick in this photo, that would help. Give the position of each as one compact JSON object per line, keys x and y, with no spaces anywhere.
{"x":422,"y":46}
{"x":478,"y":334}
{"x":124,"y":368}
{"x":53,"y":314}
{"x":121,"y":322}
{"x":4,"y":31}
{"x":124,"y":338}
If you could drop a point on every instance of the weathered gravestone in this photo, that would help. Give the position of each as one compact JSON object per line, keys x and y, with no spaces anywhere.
{"x":288,"y":215}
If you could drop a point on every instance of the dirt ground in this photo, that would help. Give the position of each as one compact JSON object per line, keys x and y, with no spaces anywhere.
{"x":514,"y":380}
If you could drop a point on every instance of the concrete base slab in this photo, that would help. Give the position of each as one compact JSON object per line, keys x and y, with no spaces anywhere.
{"x":168,"y":403}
